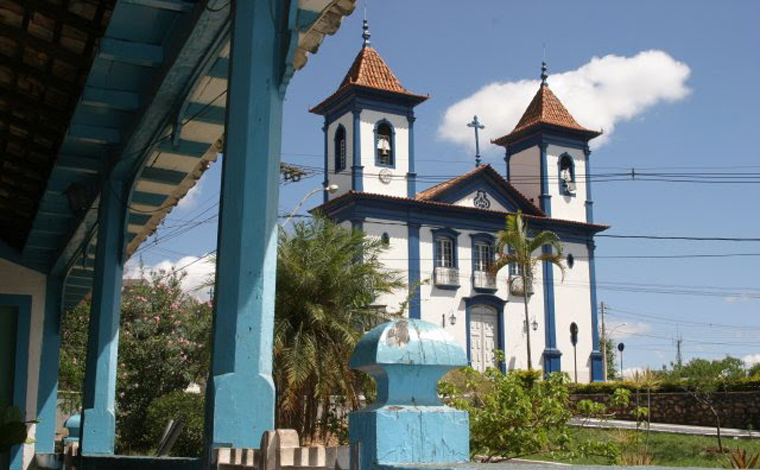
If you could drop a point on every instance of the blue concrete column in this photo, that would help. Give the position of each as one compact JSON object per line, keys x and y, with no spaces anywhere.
{"x":597,"y":368}
{"x":411,"y":175}
{"x":413,"y":251}
{"x":407,"y":423}
{"x":357,"y":169}
{"x":47,"y":393}
{"x":98,"y":418}
{"x":551,"y":353}
{"x":241,"y":394}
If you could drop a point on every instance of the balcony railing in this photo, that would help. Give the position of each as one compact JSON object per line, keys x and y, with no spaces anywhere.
{"x":516,"y":285}
{"x":483,"y":280}
{"x":446,"y":277}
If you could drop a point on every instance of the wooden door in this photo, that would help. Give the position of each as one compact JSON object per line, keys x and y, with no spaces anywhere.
{"x":484,"y":337}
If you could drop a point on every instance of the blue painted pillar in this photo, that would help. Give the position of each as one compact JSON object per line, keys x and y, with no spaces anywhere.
{"x":411,"y":175}
{"x":589,"y":201}
{"x":357,"y":169}
{"x":98,"y":418}
{"x":241,"y":396}
{"x":326,"y":179}
{"x":47,"y":393}
{"x":407,"y":423}
{"x":507,"y":156}
{"x":413,"y":251}
{"x":597,"y":367}
{"x":551,"y":353}
{"x":544,"y":198}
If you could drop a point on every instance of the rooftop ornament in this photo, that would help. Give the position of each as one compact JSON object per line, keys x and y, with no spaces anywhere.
{"x":407,"y":423}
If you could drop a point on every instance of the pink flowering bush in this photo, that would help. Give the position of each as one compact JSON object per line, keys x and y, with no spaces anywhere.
{"x":163,"y":347}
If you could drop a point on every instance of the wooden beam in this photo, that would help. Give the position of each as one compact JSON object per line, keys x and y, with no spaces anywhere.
{"x":56,"y":50}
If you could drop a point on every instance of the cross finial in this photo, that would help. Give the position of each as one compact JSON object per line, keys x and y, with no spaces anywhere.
{"x":544,"y":76}
{"x":475,"y":124}
{"x":365,"y":27}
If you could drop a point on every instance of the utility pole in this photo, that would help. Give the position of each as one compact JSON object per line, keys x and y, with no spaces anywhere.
{"x":604,"y":345}
{"x":679,"y":357}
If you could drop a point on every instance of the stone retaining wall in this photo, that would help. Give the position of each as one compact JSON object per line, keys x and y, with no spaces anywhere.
{"x":736,"y":409}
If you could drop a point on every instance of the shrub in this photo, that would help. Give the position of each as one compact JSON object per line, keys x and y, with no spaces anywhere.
{"x":178,"y":405}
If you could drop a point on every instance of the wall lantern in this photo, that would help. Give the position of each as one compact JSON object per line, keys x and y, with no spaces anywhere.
{"x":452,"y":319}
{"x":534,"y":325}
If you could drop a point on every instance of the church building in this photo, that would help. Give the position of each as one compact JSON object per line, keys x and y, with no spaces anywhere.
{"x":442,"y":238}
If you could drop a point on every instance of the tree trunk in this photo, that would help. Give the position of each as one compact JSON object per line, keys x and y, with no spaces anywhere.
{"x":527,"y":322}
{"x":717,"y":427}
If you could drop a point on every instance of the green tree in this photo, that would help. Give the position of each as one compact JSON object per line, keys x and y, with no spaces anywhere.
{"x":514,"y":247}
{"x":754,"y":371}
{"x":609,"y":345}
{"x":328,"y":279}
{"x":163,"y":347}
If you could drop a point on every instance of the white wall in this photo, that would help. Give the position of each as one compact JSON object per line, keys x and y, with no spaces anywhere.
{"x":565,"y":206}
{"x":18,"y":280}
{"x":372,"y":184}
{"x":394,"y":258}
{"x":525,"y":173}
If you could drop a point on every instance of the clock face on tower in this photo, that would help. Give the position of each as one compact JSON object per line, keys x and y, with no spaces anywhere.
{"x":385,"y":176}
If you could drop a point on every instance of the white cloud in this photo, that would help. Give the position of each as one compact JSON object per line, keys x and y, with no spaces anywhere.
{"x":751,"y":359}
{"x":599,"y":95}
{"x":190,"y":199}
{"x":739,"y":297}
{"x":197,"y":272}
{"x":632,"y":372}
{"x":620,"y":330}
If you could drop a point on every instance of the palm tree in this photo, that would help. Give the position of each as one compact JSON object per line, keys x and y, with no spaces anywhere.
{"x":515,"y":248}
{"x":328,"y":279}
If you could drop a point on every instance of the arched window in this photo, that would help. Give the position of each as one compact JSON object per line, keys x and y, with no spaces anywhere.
{"x":340,"y":149}
{"x":566,"y":175}
{"x":384,"y":148}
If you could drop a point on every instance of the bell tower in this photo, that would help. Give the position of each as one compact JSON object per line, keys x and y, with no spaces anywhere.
{"x":369,"y":129}
{"x":547,"y":157}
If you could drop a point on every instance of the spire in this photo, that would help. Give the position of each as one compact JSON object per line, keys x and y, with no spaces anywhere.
{"x":544,"y":76}
{"x":365,"y":28}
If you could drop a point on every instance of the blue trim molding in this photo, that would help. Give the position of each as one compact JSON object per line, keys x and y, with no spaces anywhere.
{"x":411,"y":175}
{"x":589,"y":201}
{"x":497,"y":304}
{"x":392,"y":164}
{"x":357,"y":169}
{"x":475,"y":239}
{"x":551,"y":353}
{"x":507,"y":158}
{"x":47,"y":392}
{"x":544,"y":197}
{"x":23,"y":304}
{"x":326,"y":179}
{"x":597,"y":374}
{"x":413,"y":241}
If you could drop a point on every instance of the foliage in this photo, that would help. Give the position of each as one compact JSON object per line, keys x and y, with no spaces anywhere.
{"x":513,"y":247}
{"x":666,"y":386}
{"x":182,"y":405}
{"x":12,"y":428}
{"x":702,"y":370}
{"x":754,"y":372}
{"x":517,"y":414}
{"x":163,"y":347}
{"x":328,"y":279}
{"x":609,"y":345}
{"x":741,"y":458}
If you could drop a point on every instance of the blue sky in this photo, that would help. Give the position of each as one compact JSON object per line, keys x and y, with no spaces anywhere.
{"x":693,"y":110}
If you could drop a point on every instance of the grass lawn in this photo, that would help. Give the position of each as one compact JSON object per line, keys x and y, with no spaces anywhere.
{"x":673,"y":450}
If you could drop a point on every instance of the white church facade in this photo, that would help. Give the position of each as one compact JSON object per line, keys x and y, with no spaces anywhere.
{"x":442,"y":239}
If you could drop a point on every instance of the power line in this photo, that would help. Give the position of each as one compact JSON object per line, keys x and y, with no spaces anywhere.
{"x":681,"y":237}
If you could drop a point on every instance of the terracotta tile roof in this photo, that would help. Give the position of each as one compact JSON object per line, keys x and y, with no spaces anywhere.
{"x":348,"y":195}
{"x":370,"y":71}
{"x":439,"y":188}
{"x":545,"y":108}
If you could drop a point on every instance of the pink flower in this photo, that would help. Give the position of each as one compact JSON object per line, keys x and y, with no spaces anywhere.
{"x":156,"y":319}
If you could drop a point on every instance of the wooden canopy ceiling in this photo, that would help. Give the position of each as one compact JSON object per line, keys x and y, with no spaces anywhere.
{"x":46,"y":48}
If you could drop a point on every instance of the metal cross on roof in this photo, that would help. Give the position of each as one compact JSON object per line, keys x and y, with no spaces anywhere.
{"x":476,"y":125}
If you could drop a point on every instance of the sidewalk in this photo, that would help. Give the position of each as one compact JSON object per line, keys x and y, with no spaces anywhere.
{"x":662,"y":427}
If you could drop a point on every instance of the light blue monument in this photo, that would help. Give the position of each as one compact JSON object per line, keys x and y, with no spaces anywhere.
{"x":407,"y":423}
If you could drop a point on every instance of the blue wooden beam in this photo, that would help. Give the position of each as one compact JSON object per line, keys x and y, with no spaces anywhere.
{"x":162,"y":175}
{"x":220,"y":69}
{"x":113,"y":99}
{"x":148,"y":199}
{"x":98,"y":417}
{"x":93,"y":134}
{"x":180,"y":6}
{"x":47,"y":391}
{"x":139,"y":219}
{"x":148,"y":55}
{"x":204,"y":113}
{"x":247,"y":244}
{"x":187,"y":148}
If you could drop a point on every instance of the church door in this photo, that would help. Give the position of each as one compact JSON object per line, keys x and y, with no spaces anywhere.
{"x":484,"y":337}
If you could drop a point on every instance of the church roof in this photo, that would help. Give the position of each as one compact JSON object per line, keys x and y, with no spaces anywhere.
{"x":547,"y":109}
{"x":434,"y":192}
{"x":369,"y":71}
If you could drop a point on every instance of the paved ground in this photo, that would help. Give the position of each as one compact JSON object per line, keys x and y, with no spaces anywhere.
{"x":672,"y":428}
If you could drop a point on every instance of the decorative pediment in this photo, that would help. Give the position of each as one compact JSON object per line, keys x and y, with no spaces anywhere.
{"x":482,"y":188}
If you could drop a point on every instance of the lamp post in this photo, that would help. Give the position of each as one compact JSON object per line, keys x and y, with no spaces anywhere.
{"x":606,"y":337}
{"x":331,"y":189}
{"x":621,"y":347}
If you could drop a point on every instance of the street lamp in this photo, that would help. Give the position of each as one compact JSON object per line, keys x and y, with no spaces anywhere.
{"x":330,"y":188}
{"x":606,"y":336}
